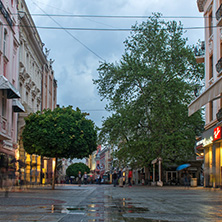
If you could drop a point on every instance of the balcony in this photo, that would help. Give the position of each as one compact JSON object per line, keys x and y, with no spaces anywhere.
{"x":219,"y":67}
{"x":199,"y":51}
{"x":219,"y":16}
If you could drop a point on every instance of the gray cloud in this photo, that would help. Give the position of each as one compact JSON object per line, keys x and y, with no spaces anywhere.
{"x":74,"y":65}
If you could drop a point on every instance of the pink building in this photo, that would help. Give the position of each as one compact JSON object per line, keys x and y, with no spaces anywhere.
{"x":9,"y":94}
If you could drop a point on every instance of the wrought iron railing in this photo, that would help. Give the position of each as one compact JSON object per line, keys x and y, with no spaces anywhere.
{"x":219,"y":65}
{"x":219,"y":13}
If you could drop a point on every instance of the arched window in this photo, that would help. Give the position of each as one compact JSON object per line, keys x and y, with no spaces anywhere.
{"x":5,"y":42}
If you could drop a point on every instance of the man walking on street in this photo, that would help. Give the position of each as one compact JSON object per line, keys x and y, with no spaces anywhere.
{"x":114,"y":178}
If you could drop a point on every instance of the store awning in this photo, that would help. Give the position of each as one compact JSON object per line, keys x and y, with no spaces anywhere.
{"x":12,"y":92}
{"x":211,"y":93}
{"x":17,"y":106}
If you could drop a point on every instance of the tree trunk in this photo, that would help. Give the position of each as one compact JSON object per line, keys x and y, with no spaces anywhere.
{"x":54,"y":174}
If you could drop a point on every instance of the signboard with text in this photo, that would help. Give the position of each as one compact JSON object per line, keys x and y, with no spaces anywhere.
{"x":217,"y":133}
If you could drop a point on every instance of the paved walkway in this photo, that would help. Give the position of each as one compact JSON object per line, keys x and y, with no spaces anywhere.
{"x":108,"y":203}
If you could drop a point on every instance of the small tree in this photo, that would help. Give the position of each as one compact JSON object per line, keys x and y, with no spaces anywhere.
{"x":73,"y":169}
{"x":61,"y":133}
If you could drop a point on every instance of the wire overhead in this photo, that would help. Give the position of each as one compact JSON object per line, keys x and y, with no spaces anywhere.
{"x":117,"y":16}
{"x":61,"y":27}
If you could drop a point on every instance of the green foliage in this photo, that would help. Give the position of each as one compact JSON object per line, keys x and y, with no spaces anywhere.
{"x":148,"y":92}
{"x":73,"y":169}
{"x":61,"y":133}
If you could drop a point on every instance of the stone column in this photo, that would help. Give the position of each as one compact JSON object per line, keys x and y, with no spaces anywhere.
{"x":160,"y":183}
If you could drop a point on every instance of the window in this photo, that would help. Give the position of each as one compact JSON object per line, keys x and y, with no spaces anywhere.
{"x":220,"y":49}
{"x":1,"y":36}
{"x":211,"y":67}
{"x":4,"y":103}
{"x":27,"y":97}
{"x":210,"y":24}
{"x":33,"y":103}
{"x":211,"y":111}
{"x":5,"y":42}
{"x":5,"y":68}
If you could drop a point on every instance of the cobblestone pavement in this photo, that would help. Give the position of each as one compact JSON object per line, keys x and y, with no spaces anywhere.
{"x":108,"y":203}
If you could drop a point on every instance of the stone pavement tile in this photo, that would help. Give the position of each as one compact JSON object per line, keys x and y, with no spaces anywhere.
{"x":72,"y":218}
{"x":52,"y":217}
{"x":20,"y":217}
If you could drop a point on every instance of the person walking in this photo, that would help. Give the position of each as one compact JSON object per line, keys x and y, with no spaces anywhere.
{"x":79,"y":178}
{"x":115,"y":178}
{"x":120,"y":177}
{"x":186,"y":179}
{"x":85,"y":176}
{"x":130,"y":174}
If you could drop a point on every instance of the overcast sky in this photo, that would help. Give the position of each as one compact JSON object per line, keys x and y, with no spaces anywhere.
{"x":77,"y":54}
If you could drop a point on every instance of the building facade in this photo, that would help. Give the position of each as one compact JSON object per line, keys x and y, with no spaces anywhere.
{"x":38,"y":91}
{"x":211,"y":97}
{"x":9,"y":94}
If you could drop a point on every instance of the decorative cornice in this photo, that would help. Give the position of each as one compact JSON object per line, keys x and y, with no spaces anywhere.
{"x":28,"y":85}
{"x":201,"y":4}
{"x":38,"y":99}
{"x":35,"y":91}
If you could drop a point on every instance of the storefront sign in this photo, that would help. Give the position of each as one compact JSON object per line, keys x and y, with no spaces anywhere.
{"x":217,"y":133}
{"x":199,"y":144}
{"x":207,"y":142}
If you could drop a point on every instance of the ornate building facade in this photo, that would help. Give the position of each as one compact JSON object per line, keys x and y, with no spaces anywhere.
{"x":211,"y":97}
{"x":38,"y":89}
{"x":9,"y":94}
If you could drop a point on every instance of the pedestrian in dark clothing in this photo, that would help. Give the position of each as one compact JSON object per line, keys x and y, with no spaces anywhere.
{"x":85,"y":176}
{"x":115,"y":178}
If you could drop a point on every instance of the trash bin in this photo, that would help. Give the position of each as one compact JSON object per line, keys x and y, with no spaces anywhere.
{"x":193,"y":182}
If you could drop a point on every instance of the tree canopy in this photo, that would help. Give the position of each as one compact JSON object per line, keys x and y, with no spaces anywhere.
{"x":73,"y":169}
{"x":61,"y":133}
{"x":148,"y":91}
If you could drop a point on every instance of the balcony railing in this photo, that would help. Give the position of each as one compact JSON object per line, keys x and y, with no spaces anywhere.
{"x":199,"y":51}
{"x":219,"y":16}
{"x":219,"y":66}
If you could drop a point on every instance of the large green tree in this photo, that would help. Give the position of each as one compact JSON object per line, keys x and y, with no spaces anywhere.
{"x":148,"y":91}
{"x":61,"y":133}
{"x":73,"y":169}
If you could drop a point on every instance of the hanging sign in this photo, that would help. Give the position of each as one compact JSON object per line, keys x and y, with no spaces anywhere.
{"x":217,"y":133}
